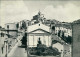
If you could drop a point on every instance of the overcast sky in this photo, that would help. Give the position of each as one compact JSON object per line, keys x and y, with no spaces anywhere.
{"x":15,"y":11}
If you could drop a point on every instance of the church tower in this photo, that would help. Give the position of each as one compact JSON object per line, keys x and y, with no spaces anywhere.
{"x":40,"y":16}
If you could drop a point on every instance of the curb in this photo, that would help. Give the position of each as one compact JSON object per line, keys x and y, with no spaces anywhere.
{"x":12,"y":50}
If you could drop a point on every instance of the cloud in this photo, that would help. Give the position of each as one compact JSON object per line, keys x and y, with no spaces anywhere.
{"x":69,"y":12}
{"x":13,"y":11}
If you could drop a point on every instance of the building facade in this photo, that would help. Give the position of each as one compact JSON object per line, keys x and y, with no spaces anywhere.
{"x":76,"y":40}
{"x":11,"y":29}
{"x":36,"y":32}
{"x":63,"y":28}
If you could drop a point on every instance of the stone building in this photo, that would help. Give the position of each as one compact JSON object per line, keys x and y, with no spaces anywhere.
{"x":76,"y":40}
{"x":11,"y":29}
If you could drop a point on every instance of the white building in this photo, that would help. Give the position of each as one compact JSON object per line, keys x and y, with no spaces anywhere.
{"x":66,"y":29}
{"x":68,"y":32}
{"x":37,"y":31}
{"x":11,"y":29}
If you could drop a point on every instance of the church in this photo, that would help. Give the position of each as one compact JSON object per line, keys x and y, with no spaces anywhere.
{"x":38,"y":31}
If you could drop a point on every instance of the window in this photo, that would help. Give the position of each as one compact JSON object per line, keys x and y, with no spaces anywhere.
{"x":39,"y":24}
{"x":8,"y":26}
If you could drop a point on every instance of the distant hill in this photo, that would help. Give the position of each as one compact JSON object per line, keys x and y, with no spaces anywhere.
{"x":76,"y":21}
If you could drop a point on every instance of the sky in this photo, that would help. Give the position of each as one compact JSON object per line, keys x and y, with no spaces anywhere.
{"x":17,"y":10}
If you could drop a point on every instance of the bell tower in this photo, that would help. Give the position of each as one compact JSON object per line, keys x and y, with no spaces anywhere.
{"x":40,"y":16}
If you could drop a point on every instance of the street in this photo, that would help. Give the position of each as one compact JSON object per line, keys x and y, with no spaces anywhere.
{"x":19,"y":51}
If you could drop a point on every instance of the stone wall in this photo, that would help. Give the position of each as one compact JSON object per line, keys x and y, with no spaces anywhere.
{"x":76,"y":40}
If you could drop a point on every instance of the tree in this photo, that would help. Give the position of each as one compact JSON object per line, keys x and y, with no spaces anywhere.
{"x":69,"y":39}
{"x":0,"y":27}
{"x":53,"y":27}
{"x":23,"y":24}
{"x":24,"y":39}
{"x":17,"y":25}
{"x":62,"y":35}
{"x":54,"y":41}
{"x":59,"y":33}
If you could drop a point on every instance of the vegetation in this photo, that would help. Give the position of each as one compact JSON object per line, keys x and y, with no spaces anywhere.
{"x":76,"y":21}
{"x":0,"y":27}
{"x":66,"y":39}
{"x":24,"y":39}
{"x":54,"y":41}
{"x":23,"y":25}
{"x":17,"y":25}
{"x":42,"y":50}
{"x":59,"y":33}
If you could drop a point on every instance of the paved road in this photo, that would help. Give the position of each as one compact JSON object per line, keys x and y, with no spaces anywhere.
{"x":19,"y":51}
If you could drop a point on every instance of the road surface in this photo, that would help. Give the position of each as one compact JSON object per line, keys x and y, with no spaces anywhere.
{"x":19,"y":51}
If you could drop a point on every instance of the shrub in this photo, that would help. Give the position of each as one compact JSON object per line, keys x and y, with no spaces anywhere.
{"x":43,"y":50}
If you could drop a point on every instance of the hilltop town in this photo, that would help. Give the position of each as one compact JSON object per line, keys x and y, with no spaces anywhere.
{"x":49,"y":31}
